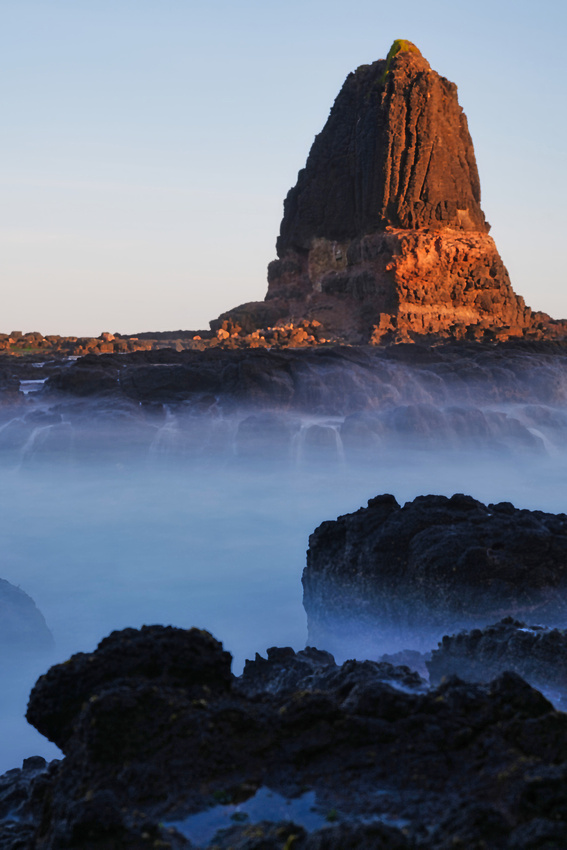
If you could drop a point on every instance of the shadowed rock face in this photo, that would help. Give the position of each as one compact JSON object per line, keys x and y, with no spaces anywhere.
{"x":383,"y":236}
{"x":536,"y":653}
{"x":392,"y":575}
{"x":155,"y":729}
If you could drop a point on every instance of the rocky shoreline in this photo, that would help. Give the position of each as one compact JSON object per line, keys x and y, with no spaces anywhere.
{"x":227,"y":334}
{"x":286,"y":378}
{"x":156,"y":730}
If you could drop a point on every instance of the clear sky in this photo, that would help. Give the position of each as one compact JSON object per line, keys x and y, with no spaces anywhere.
{"x":147,"y":145}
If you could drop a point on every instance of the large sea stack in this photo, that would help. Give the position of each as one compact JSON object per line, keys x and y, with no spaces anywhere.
{"x":383,"y":236}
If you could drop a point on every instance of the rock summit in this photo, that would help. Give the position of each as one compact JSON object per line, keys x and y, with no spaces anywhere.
{"x":383,"y":236}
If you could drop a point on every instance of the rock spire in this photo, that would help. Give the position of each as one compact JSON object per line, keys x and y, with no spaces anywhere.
{"x":383,"y":236}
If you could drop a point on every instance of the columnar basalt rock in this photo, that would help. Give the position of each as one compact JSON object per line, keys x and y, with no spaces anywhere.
{"x":383,"y":236}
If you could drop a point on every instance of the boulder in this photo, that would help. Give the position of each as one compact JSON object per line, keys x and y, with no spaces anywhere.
{"x":190,"y":660}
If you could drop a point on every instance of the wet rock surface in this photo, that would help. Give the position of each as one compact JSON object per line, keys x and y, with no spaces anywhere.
{"x":537,"y":653}
{"x":437,"y":563}
{"x":328,"y":404}
{"x":333,"y":379}
{"x":155,"y":731}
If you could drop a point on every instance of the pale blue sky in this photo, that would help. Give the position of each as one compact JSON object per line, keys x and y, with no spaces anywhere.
{"x":147,"y":145}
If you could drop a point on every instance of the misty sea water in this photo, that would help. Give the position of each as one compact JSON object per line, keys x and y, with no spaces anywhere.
{"x":116,"y":515}
{"x":221,"y":546}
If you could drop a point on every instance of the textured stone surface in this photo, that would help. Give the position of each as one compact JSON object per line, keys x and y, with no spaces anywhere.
{"x":391,"y":573}
{"x":188,"y":659}
{"x":537,"y":653}
{"x":160,"y":733}
{"x":395,"y":151}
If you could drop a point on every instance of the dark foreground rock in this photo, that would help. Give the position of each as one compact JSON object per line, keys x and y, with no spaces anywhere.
{"x":536,"y":653}
{"x":160,"y":740}
{"x":396,"y":576}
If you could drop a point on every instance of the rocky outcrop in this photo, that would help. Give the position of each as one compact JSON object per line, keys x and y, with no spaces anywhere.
{"x":536,"y":653}
{"x":22,"y":625}
{"x":399,"y":576}
{"x":383,"y":236}
{"x":160,"y":741}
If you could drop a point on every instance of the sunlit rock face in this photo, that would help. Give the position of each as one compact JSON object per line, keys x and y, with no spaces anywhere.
{"x":383,"y":236}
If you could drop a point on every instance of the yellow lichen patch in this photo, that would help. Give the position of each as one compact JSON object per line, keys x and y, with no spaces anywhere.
{"x":400,"y":45}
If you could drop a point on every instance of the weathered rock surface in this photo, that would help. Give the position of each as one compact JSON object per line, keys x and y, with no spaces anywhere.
{"x":323,"y":380}
{"x":191,"y":660}
{"x":22,"y":625}
{"x":537,"y":653}
{"x":397,"y":576}
{"x":383,"y":236}
{"x":149,"y":741}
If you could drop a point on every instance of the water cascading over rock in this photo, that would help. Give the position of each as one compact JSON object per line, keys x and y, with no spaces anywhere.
{"x":383,"y":236}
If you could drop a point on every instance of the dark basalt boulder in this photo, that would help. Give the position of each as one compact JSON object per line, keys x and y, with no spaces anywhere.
{"x":191,"y":661}
{"x":537,"y":653}
{"x":160,"y":732}
{"x":388,"y":576}
{"x":22,"y":625}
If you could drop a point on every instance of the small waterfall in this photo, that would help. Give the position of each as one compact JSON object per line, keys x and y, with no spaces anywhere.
{"x":340,"y":447}
{"x":27,"y":387}
{"x":298,"y":444}
{"x":37,"y":437}
{"x":318,"y":441}
{"x":48,"y":443}
{"x":166,"y":440}
{"x":550,"y":449}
